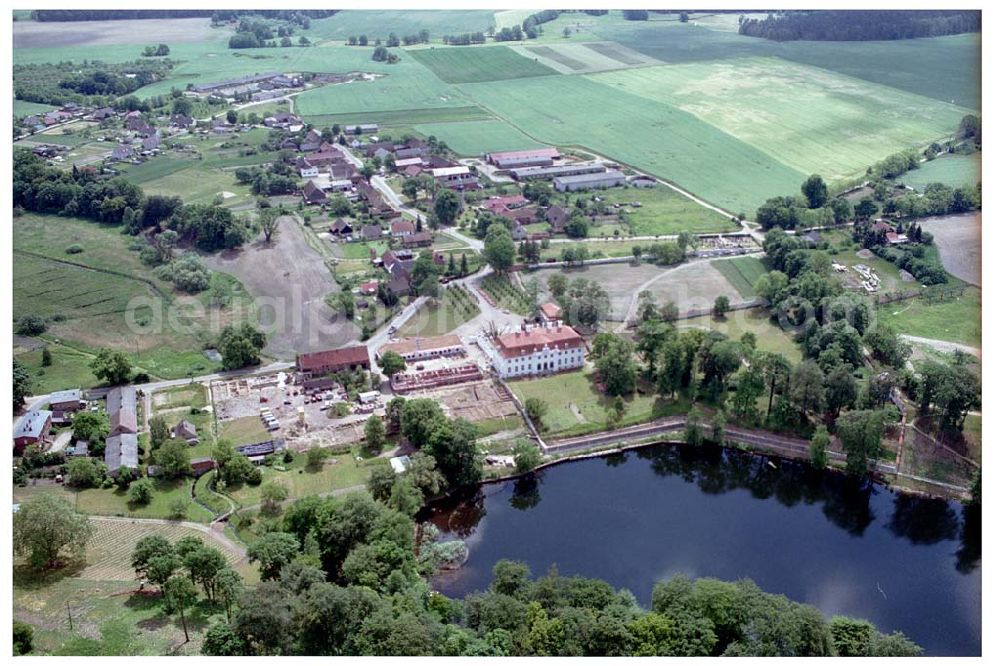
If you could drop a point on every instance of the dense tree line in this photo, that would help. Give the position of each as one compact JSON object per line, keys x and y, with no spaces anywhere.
{"x":465,"y":39}
{"x":847,"y":25}
{"x":43,"y":189}
{"x":91,"y":83}
{"x":538,"y":18}
{"x":342,"y":576}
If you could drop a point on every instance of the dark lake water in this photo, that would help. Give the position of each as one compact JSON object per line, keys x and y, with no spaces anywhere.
{"x":904,"y":563}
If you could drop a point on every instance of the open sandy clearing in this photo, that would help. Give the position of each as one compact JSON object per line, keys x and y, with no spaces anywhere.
{"x":288,"y":281}
{"x":959,"y":239}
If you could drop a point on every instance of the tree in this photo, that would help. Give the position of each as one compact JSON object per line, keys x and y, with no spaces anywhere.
{"x":447,"y":207}
{"x":140,"y":492}
{"x":240,"y":346}
{"x":618,"y":368}
{"x":405,"y":497}
{"x":46,"y":357}
{"x":499,"y":250}
{"x":147,"y":549}
{"x":83,"y":473}
{"x":424,"y":474}
{"x":721,"y":305}
{"x":24,"y":636}
{"x":228,"y":587}
{"x":380,"y":482}
{"x":557,"y":284}
{"x":418,"y":418}
{"x":391,"y":363}
{"x":231,"y":116}
{"x":45,"y":527}
{"x":841,"y":389}
{"x":158,"y":431}
{"x":536,"y":408}
{"x":805,"y":387}
{"x":268,"y":219}
{"x":776,"y":371}
{"x":90,"y":426}
{"x":180,"y":593}
{"x":113,"y":367}
{"x":30,"y":324}
{"x":526,"y":456}
{"x":273,"y":551}
{"x":815,"y":191}
{"x":692,"y":430}
{"x":22,"y":384}
{"x":374,"y":433}
{"x":817,"y":449}
{"x":860,"y":433}
{"x":453,"y":446}
{"x":272,"y":494}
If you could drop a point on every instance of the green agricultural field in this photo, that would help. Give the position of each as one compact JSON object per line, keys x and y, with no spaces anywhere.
{"x":742,"y":273}
{"x":478,"y":137}
{"x":944,"y":68}
{"x":813,"y":120}
{"x":654,"y":137}
{"x":158,"y":167}
{"x":508,"y":18}
{"x":575,"y":406}
{"x":474,"y":64}
{"x":770,"y":337}
{"x":572,"y":57}
{"x":952,"y":170}
{"x":379,"y":23}
{"x":958,"y":320}
{"x":22,"y":108}
{"x":402,"y":117}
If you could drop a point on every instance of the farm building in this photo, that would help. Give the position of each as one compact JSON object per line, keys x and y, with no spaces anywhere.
{"x":549,"y":312}
{"x":535,"y":350}
{"x":415,"y":349}
{"x":557,"y":217}
{"x":341,"y":227}
{"x":201,"y":465}
{"x":499,"y":158}
{"x":256,"y":452}
{"x":313,"y":193}
{"x":547,"y":173}
{"x":418,"y":239}
{"x":306,"y":168}
{"x":455,"y":177}
{"x":232,"y":83}
{"x":333,"y":360}
{"x":32,"y":428}
{"x":121,"y":406}
{"x":64,"y":404}
{"x":317,"y":385}
{"x":121,"y":451}
{"x":401,"y":164}
{"x":400,"y":228}
{"x":642,"y":181}
{"x":185,"y":430}
{"x":589,"y":181}
{"x":369,"y":288}
{"x":371,"y":232}
{"x":361,"y":129}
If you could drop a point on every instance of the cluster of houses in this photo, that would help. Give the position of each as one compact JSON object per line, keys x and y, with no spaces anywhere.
{"x":257,"y":87}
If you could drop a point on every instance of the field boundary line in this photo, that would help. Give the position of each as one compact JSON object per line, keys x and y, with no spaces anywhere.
{"x":107,"y":271}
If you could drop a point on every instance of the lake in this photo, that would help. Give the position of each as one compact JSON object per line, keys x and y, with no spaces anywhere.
{"x":902,"y":562}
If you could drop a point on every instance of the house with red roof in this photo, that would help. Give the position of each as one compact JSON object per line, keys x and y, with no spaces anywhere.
{"x":536,"y":350}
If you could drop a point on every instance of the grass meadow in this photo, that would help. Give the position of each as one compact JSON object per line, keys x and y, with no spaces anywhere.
{"x":956,"y":320}
{"x":478,"y":137}
{"x":952,"y":170}
{"x":742,"y":273}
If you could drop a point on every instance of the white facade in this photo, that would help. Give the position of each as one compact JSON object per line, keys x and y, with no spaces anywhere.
{"x":543,"y":361}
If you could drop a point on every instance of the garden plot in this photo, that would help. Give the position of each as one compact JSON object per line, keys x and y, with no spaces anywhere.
{"x":109,"y":551}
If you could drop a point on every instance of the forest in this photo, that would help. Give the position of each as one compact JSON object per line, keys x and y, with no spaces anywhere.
{"x":852,"y":26}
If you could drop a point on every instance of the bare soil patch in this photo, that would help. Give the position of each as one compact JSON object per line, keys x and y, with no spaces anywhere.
{"x":288,"y":281}
{"x":959,"y":239}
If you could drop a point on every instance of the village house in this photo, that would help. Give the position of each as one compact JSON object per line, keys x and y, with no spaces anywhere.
{"x":423,"y":348}
{"x":333,"y":360}
{"x":535,"y":350}
{"x":103,"y":113}
{"x":311,"y":142}
{"x":122,"y":153}
{"x":418,"y":239}
{"x":402,"y":227}
{"x":369,"y":288}
{"x":341,"y":228}
{"x":557,"y":217}
{"x":187,"y":431}
{"x":180,"y":121}
{"x":371,"y":232}
{"x":121,"y":450}
{"x":313,"y":194}
{"x":412,"y":171}
{"x":33,"y":428}
{"x":121,"y":408}
{"x":549,"y":312}
{"x":306,"y":168}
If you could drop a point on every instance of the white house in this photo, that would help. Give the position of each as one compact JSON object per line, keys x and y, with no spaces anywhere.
{"x":536,"y":350}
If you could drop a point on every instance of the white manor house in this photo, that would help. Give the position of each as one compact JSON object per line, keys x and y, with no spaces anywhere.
{"x":536,"y":350}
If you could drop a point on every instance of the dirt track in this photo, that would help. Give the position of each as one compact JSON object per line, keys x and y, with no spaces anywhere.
{"x":288,"y":281}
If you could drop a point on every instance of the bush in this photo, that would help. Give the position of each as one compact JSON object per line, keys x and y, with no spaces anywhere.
{"x":140,"y":492}
{"x":30,"y":324}
{"x":74,"y":249}
{"x":179,"y":508}
{"x":190,"y":274}
{"x":24,"y":636}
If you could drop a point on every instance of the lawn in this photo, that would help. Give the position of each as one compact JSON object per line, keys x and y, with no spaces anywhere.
{"x":199,"y":184}
{"x":70,"y":368}
{"x":640,"y":132}
{"x":443,"y":316}
{"x":664,"y":211}
{"x":810,"y":119}
{"x":243,"y":430}
{"x":478,"y":137}
{"x":338,"y":472}
{"x":474,"y":64}
{"x":770,"y":337}
{"x":742,"y":273}
{"x":22,"y":108}
{"x":112,"y":502}
{"x":575,"y":406}
{"x":957,"y":320}
{"x":952,"y":170}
